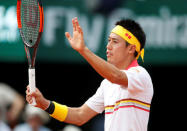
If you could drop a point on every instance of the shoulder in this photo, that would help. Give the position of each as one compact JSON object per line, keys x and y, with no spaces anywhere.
{"x":144,"y":74}
{"x":138,"y":79}
{"x":139,"y":71}
{"x":104,"y":83}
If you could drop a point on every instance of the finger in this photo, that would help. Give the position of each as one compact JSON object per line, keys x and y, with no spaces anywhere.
{"x":80,"y":30}
{"x":68,"y":36}
{"x":74,"y":25}
{"x":28,"y":88}
{"x":37,"y":92}
{"x":27,"y":91}
{"x":78,"y":27}
{"x":34,"y":93}
{"x":77,"y":22}
{"x":29,"y":99}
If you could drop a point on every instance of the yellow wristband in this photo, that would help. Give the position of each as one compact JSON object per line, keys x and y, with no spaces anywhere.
{"x":60,"y":112}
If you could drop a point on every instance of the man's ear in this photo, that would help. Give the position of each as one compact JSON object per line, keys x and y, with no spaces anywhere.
{"x":132,"y":49}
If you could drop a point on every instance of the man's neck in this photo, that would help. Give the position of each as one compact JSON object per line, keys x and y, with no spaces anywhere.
{"x":128,"y":63}
{"x":134,"y":63}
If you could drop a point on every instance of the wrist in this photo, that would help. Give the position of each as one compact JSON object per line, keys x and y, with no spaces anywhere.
{"x":50,"y":109}
{"x":57,"y":111}
{"x":45,"y":105}
{"x":83,"y":50}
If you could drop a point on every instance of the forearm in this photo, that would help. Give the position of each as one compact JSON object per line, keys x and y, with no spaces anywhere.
{"x":102,"y":67}
{"x":76,"y":115}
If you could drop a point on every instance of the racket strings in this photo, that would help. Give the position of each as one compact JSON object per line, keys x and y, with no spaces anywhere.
{"x":30,"y":20}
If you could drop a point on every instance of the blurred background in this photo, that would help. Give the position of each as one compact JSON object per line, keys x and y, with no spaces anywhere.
{"x":64,"y":76}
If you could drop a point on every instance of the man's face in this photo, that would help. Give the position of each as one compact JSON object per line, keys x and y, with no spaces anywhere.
{"x":117,"y":51}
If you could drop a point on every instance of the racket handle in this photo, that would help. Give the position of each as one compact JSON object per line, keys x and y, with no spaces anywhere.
{"x":32,"y":84}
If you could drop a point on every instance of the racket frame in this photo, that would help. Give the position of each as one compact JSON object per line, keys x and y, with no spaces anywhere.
{"x":31,"y":62}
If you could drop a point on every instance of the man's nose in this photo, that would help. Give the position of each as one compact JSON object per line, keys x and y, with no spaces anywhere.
{"x":109,"y":46}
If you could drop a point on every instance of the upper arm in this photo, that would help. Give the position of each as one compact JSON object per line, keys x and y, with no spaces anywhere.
{"x":119,"y":77}
{"x":87,"y":113}
{"x":132,"y":79}
{"x":136,"y":80}
{"x":91,"y":108}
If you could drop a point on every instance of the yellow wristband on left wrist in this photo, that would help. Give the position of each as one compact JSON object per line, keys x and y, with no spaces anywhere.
{"x":60,"y":112}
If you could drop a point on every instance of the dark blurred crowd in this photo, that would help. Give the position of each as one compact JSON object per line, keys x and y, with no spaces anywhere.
{"x":17,"y":115}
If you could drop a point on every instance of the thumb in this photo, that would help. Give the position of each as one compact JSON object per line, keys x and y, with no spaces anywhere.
{"x":34,"y":93}
{"x":68,"y":36}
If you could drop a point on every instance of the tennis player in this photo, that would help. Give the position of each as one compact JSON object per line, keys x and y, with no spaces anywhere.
{"x":126,"y":92}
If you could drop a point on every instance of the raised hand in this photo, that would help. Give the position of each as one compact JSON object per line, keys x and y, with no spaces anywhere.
{"x":77,"y":41}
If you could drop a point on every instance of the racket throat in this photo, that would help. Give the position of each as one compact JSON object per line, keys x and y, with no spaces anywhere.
{"x":31,"y":58}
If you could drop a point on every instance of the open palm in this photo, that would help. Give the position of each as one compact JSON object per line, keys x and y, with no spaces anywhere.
{"x":77,"y":41}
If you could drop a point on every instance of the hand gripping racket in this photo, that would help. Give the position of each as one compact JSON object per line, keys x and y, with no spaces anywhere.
{"x":30,"y":20}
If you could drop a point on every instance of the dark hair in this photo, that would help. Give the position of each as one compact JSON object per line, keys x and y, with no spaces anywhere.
{"x":135,"y":29}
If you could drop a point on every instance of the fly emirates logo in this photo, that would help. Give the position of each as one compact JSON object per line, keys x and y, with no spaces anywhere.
{"x":163,"y":30}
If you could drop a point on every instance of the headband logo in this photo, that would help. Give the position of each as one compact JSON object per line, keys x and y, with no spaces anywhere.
{"x":126,"y":34}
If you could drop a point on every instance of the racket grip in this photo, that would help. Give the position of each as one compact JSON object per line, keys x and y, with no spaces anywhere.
{"x":32,"y":84}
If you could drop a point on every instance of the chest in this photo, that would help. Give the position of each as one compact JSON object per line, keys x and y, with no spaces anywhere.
{"x":114,"y":93}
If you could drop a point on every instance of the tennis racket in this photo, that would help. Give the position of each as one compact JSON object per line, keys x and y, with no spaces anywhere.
{"x":30,"y":20}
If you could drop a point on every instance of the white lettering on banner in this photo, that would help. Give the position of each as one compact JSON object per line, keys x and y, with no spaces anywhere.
{"x":183,"y":38}
{"x":8,"y":25}
{"x":71,"y":13}
{"x":55,"y":16}
{"x":93,"y":32}
{"x":52,"y":23}
{"x":164,"y":30}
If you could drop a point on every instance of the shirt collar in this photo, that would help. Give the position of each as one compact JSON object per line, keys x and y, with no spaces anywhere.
{"x":133,"y":64}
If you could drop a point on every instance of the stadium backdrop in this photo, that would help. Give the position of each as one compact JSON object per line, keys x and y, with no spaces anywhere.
{"x":165,"y":24}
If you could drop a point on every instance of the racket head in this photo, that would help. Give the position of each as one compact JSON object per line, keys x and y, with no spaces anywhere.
{"x":30,"y":18}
